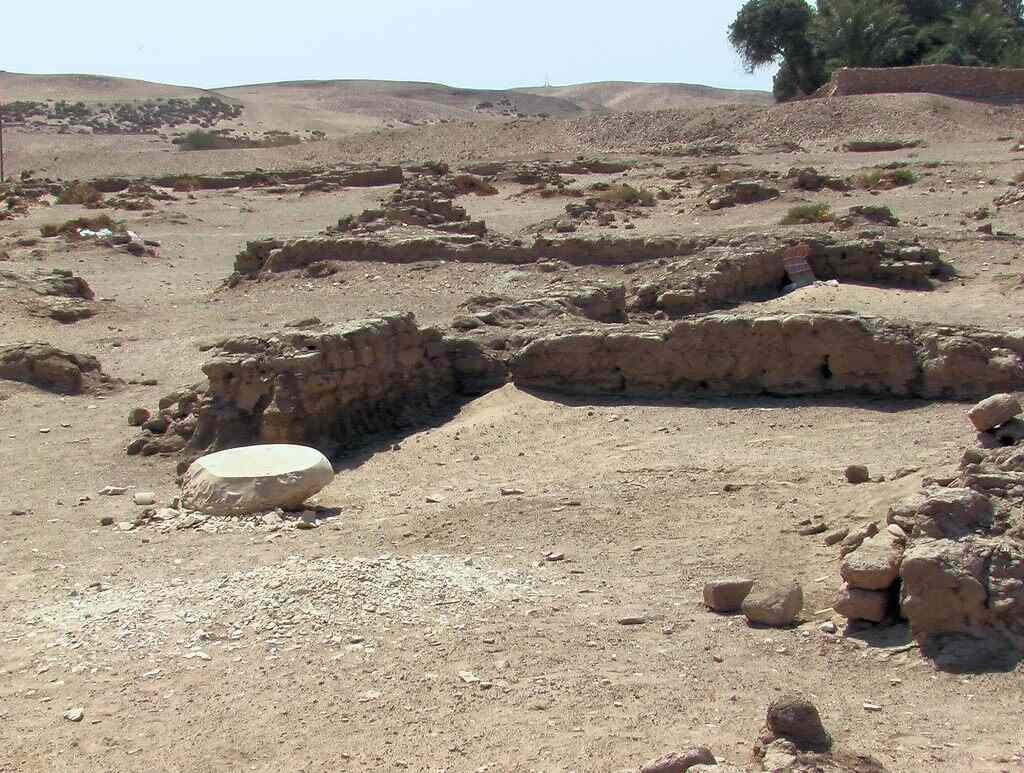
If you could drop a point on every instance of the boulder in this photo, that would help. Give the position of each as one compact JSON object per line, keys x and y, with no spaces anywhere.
{"x":50,"y":368}
{"x":857,"y":604}
{"x":774,"y":606}
{"x":950,"y":512}
{"x":993,"y":411}
{"x":255,"y":479}
{"x":873,"y":566}
{"x":726,"y":595}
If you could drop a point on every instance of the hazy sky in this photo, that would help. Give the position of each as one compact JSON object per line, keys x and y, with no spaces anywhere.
{"x":458,"y":42}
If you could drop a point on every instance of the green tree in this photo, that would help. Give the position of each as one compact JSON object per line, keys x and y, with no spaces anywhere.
{"x":862,"y":33}
{"x":768,"y":32}
{"x":983,"y":35}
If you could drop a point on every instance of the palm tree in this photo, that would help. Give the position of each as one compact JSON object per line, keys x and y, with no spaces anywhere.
{"x":862,"y":33}
{"x":984,"y":35}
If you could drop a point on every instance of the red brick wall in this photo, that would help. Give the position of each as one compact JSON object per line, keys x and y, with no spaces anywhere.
{"x":978,"y":82}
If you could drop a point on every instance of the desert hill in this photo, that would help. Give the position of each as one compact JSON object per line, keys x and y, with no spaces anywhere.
{"x":619,"y":96}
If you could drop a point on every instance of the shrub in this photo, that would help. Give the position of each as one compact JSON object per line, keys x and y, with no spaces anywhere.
{"x":199,"y":140}
{"x":624,"y":193}
{"x":467,"y":183}
{"x":881,"y":178}
{"x":818,"y":212}
{"x":876,"y":214}
{"x":80,"y":193}
{"x":70,"y":228}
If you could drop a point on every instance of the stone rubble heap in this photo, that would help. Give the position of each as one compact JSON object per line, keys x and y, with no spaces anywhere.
{"x":951,"y":558}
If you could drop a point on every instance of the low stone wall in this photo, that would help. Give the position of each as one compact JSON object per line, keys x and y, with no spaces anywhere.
{"x":948,"y":80}
{"x":724,"y":276}
{"x":326,"y":389}
{"x":779,"y":354}
{"x":277,"y":256}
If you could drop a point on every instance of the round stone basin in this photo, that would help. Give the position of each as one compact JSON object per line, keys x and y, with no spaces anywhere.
{"x":255,"y":479}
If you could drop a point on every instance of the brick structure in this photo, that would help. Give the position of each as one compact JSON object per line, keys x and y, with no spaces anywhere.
{"x":945,"y":79}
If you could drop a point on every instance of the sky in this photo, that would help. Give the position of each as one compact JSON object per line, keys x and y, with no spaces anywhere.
{"x":467,"y":43}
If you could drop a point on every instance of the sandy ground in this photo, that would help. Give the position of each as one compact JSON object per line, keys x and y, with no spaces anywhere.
{"x":422,"y":627}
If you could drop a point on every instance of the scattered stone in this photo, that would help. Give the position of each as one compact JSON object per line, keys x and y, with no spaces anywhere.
{"x":993,"y":411}
{"x":797,"y":720}
{"x":827,"y":627}
{"x":107,"y":520}
{"x":773,"y":606}
{"x":814,"y":528}
{"x":726,"y":595}
{"x":144,"y":498}
{"x":255,"y":479}
{"x":835,"y":537}
{"x":857,"y":473}
{"x":137,"y":417}
{"x":113,"y":491}
{"x":632,"y":620}
{"x":873,"y":566}
{"x":857,"y":604}
{"x":676,"y":762}
{"x":853,"y":540}
{"x":76,"y":714}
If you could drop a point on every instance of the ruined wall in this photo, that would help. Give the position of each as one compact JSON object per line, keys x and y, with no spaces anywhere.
{"x":321,"y":388}
{"x":727,"y":275}
{"x":276,"y":256}
{"x":784,"y":354}
{"x":949,"y":80}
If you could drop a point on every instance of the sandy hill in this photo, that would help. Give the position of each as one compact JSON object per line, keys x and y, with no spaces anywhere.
{"x":87,"y":88}
{"x":344,"y":106}
{"x":618,"y":96}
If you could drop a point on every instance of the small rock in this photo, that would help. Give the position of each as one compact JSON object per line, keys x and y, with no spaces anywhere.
{"x":137,"y":417}
{"x":827,"y":627}
{"x":679,"y":763}
{"x":872,"y":707}
{"x":857,"y":473}
{"x":993,"y":411}
{"x":815,"y":528}
{"x":107,"y":520}
{"x":113,"y":491}
{"x":777,"y":607}
{"x":511,"y":492}
{"x":837,"y":536}
{"x":76,"y":714}
{"x":632,"y":620}
{"x":797,"y":719}
{"x":144,"y":498}
{"x":726,"y":595}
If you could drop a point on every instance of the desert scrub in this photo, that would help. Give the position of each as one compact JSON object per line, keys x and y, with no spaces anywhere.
{"x":70,"y":228}
{"x":818,"y":212}
{"x":624,"y":193}
{"x":882,"y":178}
{"x":876,"y":214}
{"x":81,"y":193}
{"x":467,"y":183}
